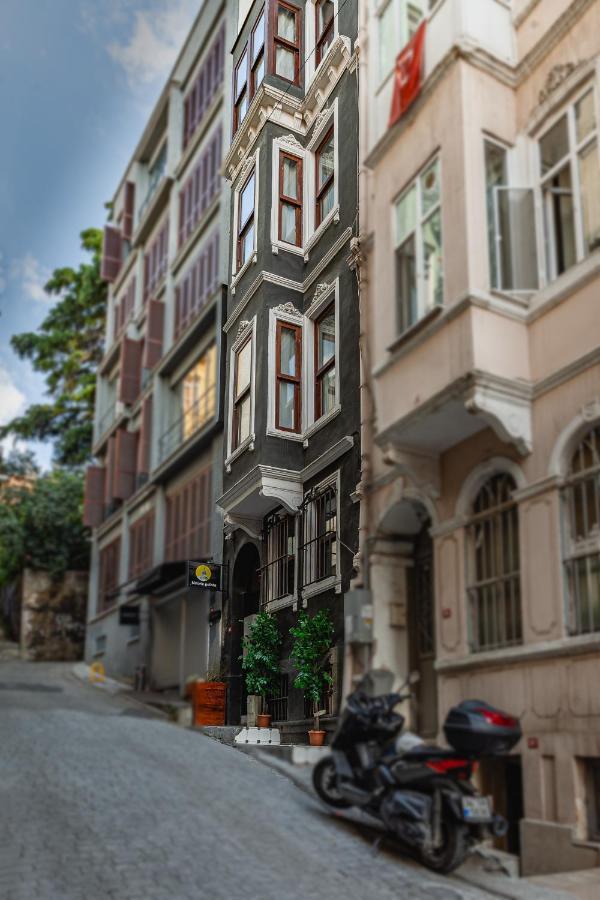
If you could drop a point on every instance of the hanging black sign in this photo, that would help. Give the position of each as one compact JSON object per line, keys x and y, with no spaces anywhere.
{"x":129,"y":615}
{"x":205,"y":576}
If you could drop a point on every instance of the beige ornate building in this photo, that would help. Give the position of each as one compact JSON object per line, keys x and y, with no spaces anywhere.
{"x":480,"y":291}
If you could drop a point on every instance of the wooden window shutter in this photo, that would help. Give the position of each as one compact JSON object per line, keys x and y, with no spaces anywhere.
{"x":125,"y":464}
{"x":154,"y":333}
{"x":93,"y":496}
{"x":128,"y":210}
{"x":110,"y":468}
{"x":130,"y":376}
{"x":111,"y":253}
{"x":145,"y":442}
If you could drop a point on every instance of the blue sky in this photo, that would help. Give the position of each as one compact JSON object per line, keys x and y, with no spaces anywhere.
{"x":78,"y":79}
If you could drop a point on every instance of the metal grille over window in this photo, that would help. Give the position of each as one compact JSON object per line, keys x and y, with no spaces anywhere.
{"x":277,"y":576}
{"x":494,"y":578}
{"x":319,"y":534}
{"x":582,"y":497}
{"x":277,"y":706}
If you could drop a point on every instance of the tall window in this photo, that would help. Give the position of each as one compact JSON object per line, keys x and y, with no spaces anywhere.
{"x":325,"y":177}
{"x":188,"y":518}
{"x":286,"y":41}
{"x":398,"y":21}
{"x":198,"y":393}
{"x":108,"y":579}
{"x":290,"y":199}
{"x":494,"y":588}
{"x":324,"y":27}
{"x":319,"y":533}
{"x":245,"y":228}
{"x":511,"y":226}
{"x":570,"y":184}
{"x":419,"y":262}
{"x":288,"y":351}
{"x":141,"y":538}
{"x":242,"y":393}
{"x":277,"y":576}
{"x":582,"y":498}
{"x":240,"y":90}
{"x":325,"y":393}
{"x":257,"y":54}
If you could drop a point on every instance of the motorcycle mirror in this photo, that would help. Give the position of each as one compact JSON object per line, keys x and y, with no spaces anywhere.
{"x":376,"y":682}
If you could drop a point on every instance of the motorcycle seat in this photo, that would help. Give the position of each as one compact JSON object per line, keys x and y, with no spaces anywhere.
{"x":431,"y":751}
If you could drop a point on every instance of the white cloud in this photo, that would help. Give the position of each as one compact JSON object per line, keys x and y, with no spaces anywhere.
{"x":32,"y":275}
{"x":12,"y":400}
{"x":156,"y":37}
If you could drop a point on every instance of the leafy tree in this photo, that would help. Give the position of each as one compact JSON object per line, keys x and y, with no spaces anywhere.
{"x":18,"y":462}
{"x":261,"y":662}
{"x":41,"y":526}
{"x":312,"y":642}
{"x":66,"y":348}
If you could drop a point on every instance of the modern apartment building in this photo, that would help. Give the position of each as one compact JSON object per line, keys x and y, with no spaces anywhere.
{"x":480,"y":286}
{"x":150,"y":497}
{"x":292,"y":399}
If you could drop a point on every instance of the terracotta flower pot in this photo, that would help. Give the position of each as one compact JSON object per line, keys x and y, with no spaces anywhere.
{"x":316,"y":738}
{"x":208,"y":700}
{"x":263,"y":720}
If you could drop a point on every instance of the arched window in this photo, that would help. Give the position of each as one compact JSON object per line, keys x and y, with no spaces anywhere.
{"x":493,"y":575}
{"x":582,"y":499}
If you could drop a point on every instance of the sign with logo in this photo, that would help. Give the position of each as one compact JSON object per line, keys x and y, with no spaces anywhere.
{"x":129,"y":615}
{"x":204,"y":575}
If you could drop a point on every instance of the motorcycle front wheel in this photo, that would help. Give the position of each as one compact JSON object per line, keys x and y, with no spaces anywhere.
{"x":452,"y":851}
{"x":324,"y":780}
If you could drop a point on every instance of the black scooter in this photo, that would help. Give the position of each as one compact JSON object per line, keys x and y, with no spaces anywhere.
{"x":422,"y":793}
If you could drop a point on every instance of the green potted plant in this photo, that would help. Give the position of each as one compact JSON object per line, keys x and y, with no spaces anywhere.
{"x":312,"y":642}
{"x":260,"y":662}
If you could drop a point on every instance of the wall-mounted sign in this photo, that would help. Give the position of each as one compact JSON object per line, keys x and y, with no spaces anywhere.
{"x":204,"y":575}
{"x":129,"y":615}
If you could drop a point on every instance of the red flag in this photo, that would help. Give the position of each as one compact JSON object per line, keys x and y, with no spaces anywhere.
{"x":407,"y":77}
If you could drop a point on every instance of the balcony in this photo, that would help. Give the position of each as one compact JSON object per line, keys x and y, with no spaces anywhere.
{"x":468,"y":371}
{"x":190,"y":426}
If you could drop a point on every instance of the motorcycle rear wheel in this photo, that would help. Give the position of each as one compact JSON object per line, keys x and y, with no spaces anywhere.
{"x":452,"y":852}
{"x":324,"y":780}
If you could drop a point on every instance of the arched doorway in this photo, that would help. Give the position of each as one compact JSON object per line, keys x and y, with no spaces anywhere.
{"x":245,"y":601}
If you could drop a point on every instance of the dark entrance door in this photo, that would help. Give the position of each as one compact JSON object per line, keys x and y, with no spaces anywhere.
{"x":502,"y":777}
{"x":244,"y":602}
{"x":421,"y":620}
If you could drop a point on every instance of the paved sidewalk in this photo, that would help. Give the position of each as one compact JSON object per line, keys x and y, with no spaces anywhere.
{"x":584,"y":885}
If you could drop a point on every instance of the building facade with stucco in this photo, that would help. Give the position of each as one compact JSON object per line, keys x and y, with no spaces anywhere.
{"x":479,"y":287}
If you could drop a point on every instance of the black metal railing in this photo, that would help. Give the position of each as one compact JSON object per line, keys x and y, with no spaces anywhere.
{"x":191,"y":420}
{"x":277,"y":575}
{"x":277,"y":705}
{"x":319,"y":531}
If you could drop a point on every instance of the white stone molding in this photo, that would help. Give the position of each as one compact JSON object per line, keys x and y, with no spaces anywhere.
{"x":423,"y":469}
{"x":479,"y":475}
{"x":507,"y":408}
{"x":288,"y":309}
{"x":570,"y":436}
{"x":293,"y":143}
{"x":249,"y":525}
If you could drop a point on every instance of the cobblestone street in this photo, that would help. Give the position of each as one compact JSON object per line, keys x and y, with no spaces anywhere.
{"x":100,"y":800}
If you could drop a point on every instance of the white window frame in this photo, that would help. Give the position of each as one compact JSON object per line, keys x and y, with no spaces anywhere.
{"x":307,"y":322}
{"x":311,"y":233}
{"x":288,"y":145}
{"x":572,"y":160}
{"x":310,"y":40}
{"x":252,"y":165}
{"x":400,"y":19}
{"x":415,"y":182}
{"x":248,"y":443}
{"x":332,"y":581}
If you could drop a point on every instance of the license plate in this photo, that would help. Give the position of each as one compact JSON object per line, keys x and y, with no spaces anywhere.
{"x":476,"y":809}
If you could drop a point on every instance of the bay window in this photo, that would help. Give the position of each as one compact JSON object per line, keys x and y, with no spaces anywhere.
{"x":325,"y":177}
{"x":419,"y":270}
{"x":240,"y":90}
{"x":257,"y":54}
{"x":245,"y":221}
{"x":287,"y":28}
{"x":324,"y":27}
{"x":325,"y":374}
{"x":288,"y":351}
{"x":570,"y":185}
{"x":242,"y":393}
{"x":290,"y":199}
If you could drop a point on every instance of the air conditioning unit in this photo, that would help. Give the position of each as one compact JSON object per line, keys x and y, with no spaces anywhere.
{"x":358,"y":617}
